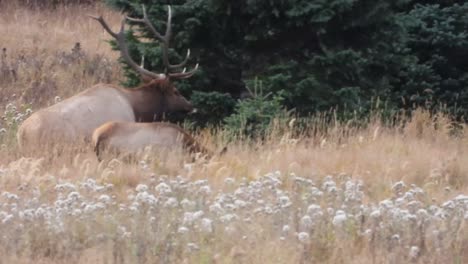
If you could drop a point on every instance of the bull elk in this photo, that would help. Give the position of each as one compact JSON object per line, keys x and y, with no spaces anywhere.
{"x":75,"y":119}
{"x":130,"y":137}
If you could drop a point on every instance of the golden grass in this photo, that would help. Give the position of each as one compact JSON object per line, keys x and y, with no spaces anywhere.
{"x":48,"y":31}
{"x":422,"y":150}
{"x":419,"y":151}
{"x":416,"y":152}
{"x":39,"y":59}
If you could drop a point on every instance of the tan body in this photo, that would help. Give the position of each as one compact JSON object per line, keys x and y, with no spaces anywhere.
{"x":127,"y":137}
{"x":74,"y":119}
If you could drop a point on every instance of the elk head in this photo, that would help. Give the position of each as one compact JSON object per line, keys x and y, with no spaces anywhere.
{"x":158,"y":95}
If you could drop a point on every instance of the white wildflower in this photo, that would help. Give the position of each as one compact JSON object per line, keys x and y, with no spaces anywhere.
{"x":413,"y":206}
{"x":376,"y":214}
{"x":171,"y":203}
{"x":187,"y":204}
{"x":423,"y":214}
{"x":409,"y":196}
{"x":105,"y":199}
{"x":367,"y":232}
{"x":191,"y":217}
{"x":284,"y":201}
{"x":398,"y":187}
{"x":122,"y":231}
{"x":192,"y":247}
{"x":414,"y":252}
{"x":205,"y":190}
{"x":10,"y":196}
{"x":76,"y":212}
{"x":89,"y":208}
{"x":182,"y":230}
{"x":3,"y":214}
{"x":40,"y":212}
{"x":163,"y":188}
{"x":303,"y":237}
{"x":449,"y":205}
{"x":328,"y":183}
{"x":314,"y":211}
{"x":316,"y":192}
{"x":142,"y":188}
{"x":228,"y":218}
{"x":146,"y":198}
{"x":229,"y":181}
{"x":7,"y":218}
{"x":30,"y":214}
{"x":387,"y":204}
{"x":65,"y":187}
{"x":206,"y":225}
{"x":306,"y":222}
{"x":240,"y":203}
{"x":268,"y":210}
{"x":340,"y":218}
{"x":216,"y":208}
{"x":74,"y":196}
{"x":461,"y":199}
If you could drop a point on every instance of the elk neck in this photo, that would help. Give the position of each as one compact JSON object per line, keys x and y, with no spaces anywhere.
{"x":148,"y":101}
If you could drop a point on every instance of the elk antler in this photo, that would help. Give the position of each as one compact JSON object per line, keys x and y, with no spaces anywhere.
{"x":166,"y":41}
{"x":120,"y":37}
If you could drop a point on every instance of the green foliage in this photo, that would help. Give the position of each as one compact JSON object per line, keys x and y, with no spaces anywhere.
{"x":438,"y":38}
{"x":254,"y":116}
{"x":316,"y":55}
{"x":212,"y":107}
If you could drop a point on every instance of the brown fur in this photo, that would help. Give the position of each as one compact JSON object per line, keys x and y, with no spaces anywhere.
{"x":100,"y":135}
{"x":104,"y":134}
{"x":148,"y":100}
{"x":74,"y":119}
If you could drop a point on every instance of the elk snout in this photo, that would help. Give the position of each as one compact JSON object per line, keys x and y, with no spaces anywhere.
{"x":188,"y":107}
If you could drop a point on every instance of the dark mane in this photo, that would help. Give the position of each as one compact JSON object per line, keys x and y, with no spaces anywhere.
{"x":161,"y":84}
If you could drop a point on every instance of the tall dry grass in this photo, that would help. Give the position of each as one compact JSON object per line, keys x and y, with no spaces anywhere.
{"x":48,"y":53}
{"x":42,"y":64}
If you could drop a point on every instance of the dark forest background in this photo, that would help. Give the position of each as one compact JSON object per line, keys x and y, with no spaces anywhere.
{"x":264,"y":58}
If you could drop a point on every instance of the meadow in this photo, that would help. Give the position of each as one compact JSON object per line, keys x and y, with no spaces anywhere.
{"x":335,"y":193}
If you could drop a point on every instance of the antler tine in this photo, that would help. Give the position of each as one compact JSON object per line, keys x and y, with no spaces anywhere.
{"x":183,"y":74}
{"x":147,"y":23}
{"x":120,"y":38}
{"x":182,"y":64}
{"x":104,"y":25}
{"x":164,"y":39}
{"x":168,"y":37}
{"x":168,"y":25}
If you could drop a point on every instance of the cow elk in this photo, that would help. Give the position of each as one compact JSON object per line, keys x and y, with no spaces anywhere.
{"x":73,"y":120}
{"x":122,"y":138}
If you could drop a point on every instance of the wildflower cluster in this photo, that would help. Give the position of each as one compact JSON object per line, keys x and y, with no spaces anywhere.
{"x":170,"y":215}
